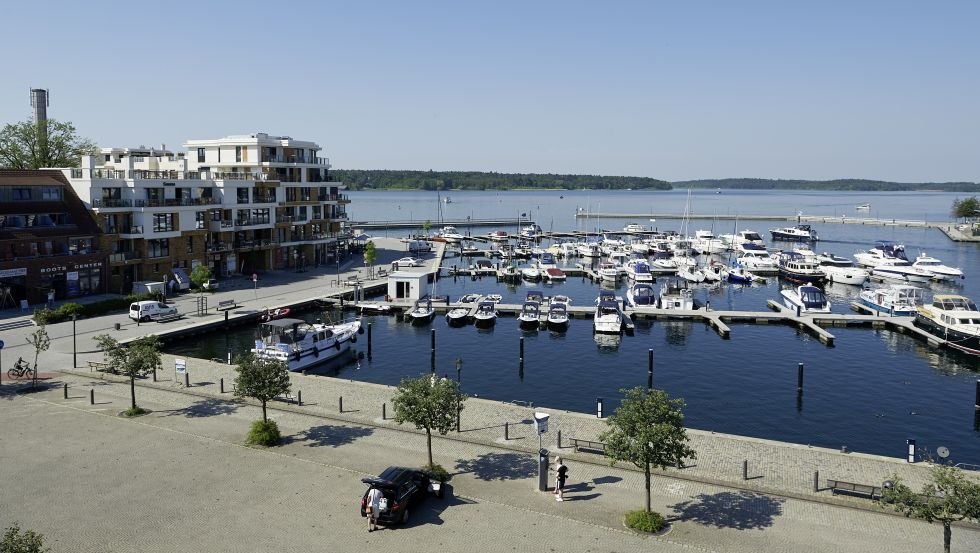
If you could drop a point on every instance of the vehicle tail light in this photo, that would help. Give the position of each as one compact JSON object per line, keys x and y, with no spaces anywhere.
{"x":395,"y":506}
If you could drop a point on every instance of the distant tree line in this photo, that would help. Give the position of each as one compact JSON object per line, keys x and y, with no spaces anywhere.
{"x":857,"y":185}
{"x":476,"y":180}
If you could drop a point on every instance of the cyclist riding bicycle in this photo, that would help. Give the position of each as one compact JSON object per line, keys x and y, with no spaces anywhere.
{"x":20,"y":363}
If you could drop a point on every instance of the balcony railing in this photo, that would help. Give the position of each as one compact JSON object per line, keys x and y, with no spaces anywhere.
{"x":246,"y":222}
{"x":264,"y":199}
{"x":219,"y":247}
{"x":112,"y":202}
{"x":138,"y":229}
{"x":218,"y":226}
{"x":296,"y":159}
{"x":122,"y":257}
{"x":253,"y":243}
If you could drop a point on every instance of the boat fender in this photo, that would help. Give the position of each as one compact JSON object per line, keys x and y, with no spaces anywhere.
{"x":353,"y":338}
{"x":360,"y":330}
{"x":337,"y":343}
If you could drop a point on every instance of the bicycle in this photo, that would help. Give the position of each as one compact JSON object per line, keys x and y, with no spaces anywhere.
{"x":21,"y":369}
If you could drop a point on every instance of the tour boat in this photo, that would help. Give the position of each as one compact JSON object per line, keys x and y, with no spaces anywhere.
{"x":674,"y":294}
{"x":806,"y":299}
{"x":798,"y":233}
{"x":422,"y":312}
{"x":607,"y":319}
{"x":936,"y":267}
{"x":301,"y":344}
{"x":486,"y":313}
{"x":641,"y":294}
{"x":457,"y":316}
{"x":952,"y":318}
{"x":900,"y":300}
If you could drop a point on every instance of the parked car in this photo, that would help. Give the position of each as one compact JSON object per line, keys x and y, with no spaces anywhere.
{"x":147,"y":310}
{"x":401,"y":488}
{"x":407,"y":262}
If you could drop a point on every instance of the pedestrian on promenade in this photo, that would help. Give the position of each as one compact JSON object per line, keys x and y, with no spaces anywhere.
{"x":561,"y":472}
{"x":51,"y":298}
{"x":373,"y":507}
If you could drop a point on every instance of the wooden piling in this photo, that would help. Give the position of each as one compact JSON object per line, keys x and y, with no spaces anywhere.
{"x":650,"y":369}
{"x":799,"y":377}
{"x":369,"y":341}
{"x":745,"y":469}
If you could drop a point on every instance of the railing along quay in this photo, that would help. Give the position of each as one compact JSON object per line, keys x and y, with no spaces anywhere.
{"x":436,"y":225}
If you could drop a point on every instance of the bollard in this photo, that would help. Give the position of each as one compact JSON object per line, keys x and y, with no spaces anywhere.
{"x":299,"y":397}
{"x":222,"y":384}
{"x":91,"y":397}
{"x":154,"y":374}
{"x":816,"y":481}
{"x":799,"y":377}
{"x":229,"y":357}
{"x":745,"y":469}
{"x":226,"y":315}
{"x":506,"y":430}
{"x":66,"y":390}
{"x":341,"y":404}
{"x":598,"y":407}
{"x":369,"y":340}
{"x":187,"y":380}
{"x":384,"y":411}
{"x":458,"y":411}
{"x":433,"y":341}
{"x":118,"y":326}
{"x":559,"y":439}
{"x":522,"y":349}
{"x":650,"y":369}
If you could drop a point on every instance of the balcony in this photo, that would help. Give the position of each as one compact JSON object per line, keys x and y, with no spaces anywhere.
{"x":221,"y":226}
{"x":174,"y":202}
{"x":252,"y":221}
{"x":131,"y":232}
{"x":264,"y":199}
{"x":218,"y":247}
{"x":78,"y":173}
{"x":139,"y":174}
{"x":123,"y":257}
{"x":296,"y":159}
{"x":111,"y":202}
{"x":252,"y":244}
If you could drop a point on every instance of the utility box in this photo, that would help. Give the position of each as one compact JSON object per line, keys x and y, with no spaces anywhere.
{"x":543,"y":470}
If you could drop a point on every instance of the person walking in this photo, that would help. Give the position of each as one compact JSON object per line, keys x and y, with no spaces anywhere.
{"x":373,"y":507}
{"x":51,"y":298}
{"x":561,"y":473}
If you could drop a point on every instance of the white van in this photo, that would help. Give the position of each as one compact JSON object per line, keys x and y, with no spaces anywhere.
{"x":419,"y":246}
{"x":147,"y":310}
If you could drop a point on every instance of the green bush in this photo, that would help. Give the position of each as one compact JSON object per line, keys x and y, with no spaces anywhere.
{"x":134,"y":412}
{"x":64,"y":312}
{"x":263,"y":433}
{"x":437,"y":473}
{"x":645,"y":522}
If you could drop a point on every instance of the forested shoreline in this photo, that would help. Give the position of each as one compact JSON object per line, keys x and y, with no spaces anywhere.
{"x":364,"y":179}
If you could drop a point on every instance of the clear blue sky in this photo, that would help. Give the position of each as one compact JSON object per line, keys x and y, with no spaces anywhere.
{"x":673,"y":90}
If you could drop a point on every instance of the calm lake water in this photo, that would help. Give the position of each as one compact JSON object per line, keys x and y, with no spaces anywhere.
{"x":871,"y":392}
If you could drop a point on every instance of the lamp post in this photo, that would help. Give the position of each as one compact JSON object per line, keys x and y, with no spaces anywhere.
{"x":459,"y":370}
{"x":74,"y":348}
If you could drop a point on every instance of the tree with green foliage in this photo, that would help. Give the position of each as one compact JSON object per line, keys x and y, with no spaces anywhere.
{"x":426,"y":227}
{"x":429,"y":403}
{"x":949,"y":498}
{"x":41,"y":342}
{"x":261,"y":378}
{"x":138,"y":359}
{"x":647,"y":429}
{"x":966,"y":209}
{"x":30,"y":145}
{"x":200,"y":276}
{"x":15,"y":541}
{"x":370,"y":256}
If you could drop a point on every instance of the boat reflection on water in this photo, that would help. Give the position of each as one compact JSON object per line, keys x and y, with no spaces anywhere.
{"x":607,"y":343}
{"x":677,"y":332}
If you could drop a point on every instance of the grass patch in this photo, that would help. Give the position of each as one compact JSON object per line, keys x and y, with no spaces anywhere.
{"x":263,"y":433}
{"x":134,"y":412}
{"x":643,"y":521}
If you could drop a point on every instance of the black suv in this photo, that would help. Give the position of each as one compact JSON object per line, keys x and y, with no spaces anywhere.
{"x":401,"y":488}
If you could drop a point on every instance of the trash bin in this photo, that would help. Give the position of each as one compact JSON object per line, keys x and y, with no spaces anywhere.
{"x":542,"y":470}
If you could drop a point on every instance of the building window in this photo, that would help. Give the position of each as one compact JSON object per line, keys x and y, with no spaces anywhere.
{"x":241,"y":154}
{"x":200,"y":155}
{"x":199,"y":219}
{"x":158,"y":248}
{"x":163,"y":222}
{"x":190,"y":244}
{"x":50,"y":194}
{"x":21,"y":194}
{"x":219,"y":154}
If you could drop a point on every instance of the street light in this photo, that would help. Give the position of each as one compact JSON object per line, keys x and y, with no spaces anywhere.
{"x":74,"y":349}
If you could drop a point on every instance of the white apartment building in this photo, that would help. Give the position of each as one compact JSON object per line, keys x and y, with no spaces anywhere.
{"x":240,"y":204}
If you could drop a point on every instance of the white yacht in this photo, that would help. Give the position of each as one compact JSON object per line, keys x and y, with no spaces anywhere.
{"x":705,"y":242}
{"x":743,"y":237}
{"x":936,"y":267}
{"x":797,"y":233}
{"x":608,"y":271}
{"x":451,"y":235}
{"x":531,"y":273}
{"x":899,"y":300}
{"x":806,"y":299}
{"x":641,"y":294}
{"x":954,"y":319}
{"x":902,"y":272}
{"x":607,"y":319}
{"x":756,"y":258}
{"x":691,"y":274}
{"x":883,"y":253}
{"x":634,"y":227}
{"x":638,"y":270}
{"x":841,"y":270}
{"x":301,"y":344}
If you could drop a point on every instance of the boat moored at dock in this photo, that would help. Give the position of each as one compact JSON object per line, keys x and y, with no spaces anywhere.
{"x":898,"y":300}
{"x":805,"y":299}
{"x":952,"y":318}
{"x":301,"y":344}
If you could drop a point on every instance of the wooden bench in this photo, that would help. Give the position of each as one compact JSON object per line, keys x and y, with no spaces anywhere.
{"x":589,"y":446}
{"x":167,"y":318}
{"x":286,"y":397}
{"x":851,"y":488}
{"x":226,"y":305}
{"x":100,"y":366}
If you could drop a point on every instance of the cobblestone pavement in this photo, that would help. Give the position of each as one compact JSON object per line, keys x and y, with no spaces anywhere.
{"x":178,"y":478}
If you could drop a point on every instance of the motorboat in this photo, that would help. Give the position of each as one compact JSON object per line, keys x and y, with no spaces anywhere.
{"x":884,"y":252}
{"x":756,"y":258}
{"x":486,"y":313}
{"x":450,"y":235}
{"x":468,"y":248}
{"x":531,"y":273}
{"x":795,"y":267}
{"x":841,"y":270}
{"x":641,"y":294}
{"x":422,"y":312}
{"x":797,"y":233}
{"x":634,"y":227}
{"x":898,"y":300}
{"x":952,"y":318}
{"x":280,"y":312}
{"x":705,"y":242}
{"x":498,"y":236}
{"x":639,"y":246}
{"x":560,"y":298}
{"x":713,"y":272}
{"x":691,"y":274}
{"x":608,"y":319}
{"x":531,"y":231}
{"x":495,"y":298}
{"x":674,"y":294}
{"x":936,"y":267}
{"x":554,"y":274}
{"x":457,"y":316}
{"x":468,"y":298}
{"x":739,"y":275}
{"x":547,"y":261}
{"x":301,"y":344}
{"x":902,"y":272}
{"x":743,"y":237}
{"x":557,"y":315}
{"x":530,"y":314}
{"x":638,"y":270}
{"x":371,"y":308}
{"x":509,"y":272}
{"x":588,"y":249}
{"x":619,"y":258}
{"x":608,"y":271}
{"x":806,"y":299}
{"x":863,"y":207}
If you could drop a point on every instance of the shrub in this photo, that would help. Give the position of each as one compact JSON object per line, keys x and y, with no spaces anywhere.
{"x":134,"y":412}
{"x":263,"y":433}
{"x":643,"y":521}
{"x":437,"y":473}
{"x":63,"y":313}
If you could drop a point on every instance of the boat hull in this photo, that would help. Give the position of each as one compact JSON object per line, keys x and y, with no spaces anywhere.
{"x":967,"y":343}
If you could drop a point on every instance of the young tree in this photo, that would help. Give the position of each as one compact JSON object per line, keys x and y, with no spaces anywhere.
{"x":15,"y":541}
{"x":370,"y":256}
{"x":200,"y":275}
{"x":426,"y":226}
{"x":40,"y":340}
{"x":261,"y":378}
{"x":647,"y":429}
{"x":140,"y":358}
{"x":30,"y":145}
{"x":966,"y":209}
{"x":429,"y":403}
{"x":950,"y":497}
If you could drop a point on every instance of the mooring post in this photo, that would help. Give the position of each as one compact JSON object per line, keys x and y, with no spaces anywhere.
{"x":66,"y":390}
{"x":433,"y":340}
{"x":559,"y":439}
{"x":299,"y":397}
{"x":976,"y":402}
{"x":229,"y":357}
{"x":521,"y":356}
{"x":187,"y":379}
{"x":745,"y":469}
{"x":369,"y":340}
{"x":816,"y":481}
{"x":154,"y":374}
{"x":650,"y":369}
{"x":506,"y":430}
{"x":341,"y":404}
{"x":221,"y":382}
{"x":226,"y":317}
{"x":384,"y":411}
{"x":799,"y":377}
{"x":91,"y":397}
